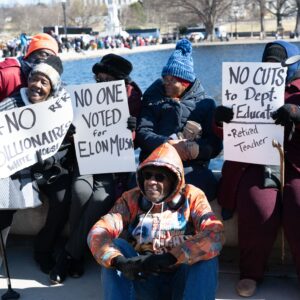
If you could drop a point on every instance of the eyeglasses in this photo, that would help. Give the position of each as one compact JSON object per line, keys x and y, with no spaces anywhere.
{"x":159,"y":177}
{"x":104,"y":78}
{"x":41,"y":54}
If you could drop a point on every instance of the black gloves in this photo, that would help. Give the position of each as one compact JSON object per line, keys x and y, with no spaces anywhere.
{"x":71,"y":130}
{"x":139,"y":267}
{"x":131,"y":268}
{"x":45,"y":171}
{"x":286,"y":114}
{"x":155,"y":263}
{"x":131,"y":123}
{"x":43,"y":164}
{"x":223,"y":114}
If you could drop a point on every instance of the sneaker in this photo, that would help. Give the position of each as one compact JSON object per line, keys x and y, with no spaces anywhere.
{"x":59,"y":273}
{"x":76,"y":268}
{"x":45,"y":261}
{"x":246,"y":287}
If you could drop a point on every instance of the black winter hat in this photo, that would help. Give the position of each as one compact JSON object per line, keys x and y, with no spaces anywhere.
{"x":114,"y":65}
{"x":51,"y":67}
{"x":274,"y":52}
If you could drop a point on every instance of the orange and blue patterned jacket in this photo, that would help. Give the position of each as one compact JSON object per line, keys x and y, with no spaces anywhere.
{"x":183,"y":224}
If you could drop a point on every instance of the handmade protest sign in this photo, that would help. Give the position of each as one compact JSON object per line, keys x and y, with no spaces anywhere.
{"x":254,"y":91}
{"x":31,"y":128}
{"x":102,"y":141}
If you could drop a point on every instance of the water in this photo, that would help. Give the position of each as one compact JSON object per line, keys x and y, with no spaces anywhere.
{"x":147,"y":67}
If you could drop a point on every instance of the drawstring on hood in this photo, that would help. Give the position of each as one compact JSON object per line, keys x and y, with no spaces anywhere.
{"x":164,"y":156}
{"x":160,"y":224}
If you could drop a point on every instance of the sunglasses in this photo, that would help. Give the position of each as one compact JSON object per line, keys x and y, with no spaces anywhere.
{"x":159,"y":177}
{"x":107,"y":78}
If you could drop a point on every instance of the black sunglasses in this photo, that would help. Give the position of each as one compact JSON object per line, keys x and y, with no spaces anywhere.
{"x":159,"y":177}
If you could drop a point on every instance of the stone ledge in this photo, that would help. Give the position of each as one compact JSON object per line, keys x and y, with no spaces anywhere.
{"x":30,"y":221}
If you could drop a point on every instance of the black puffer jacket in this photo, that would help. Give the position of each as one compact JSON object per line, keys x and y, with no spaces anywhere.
{"x":161,"y":117}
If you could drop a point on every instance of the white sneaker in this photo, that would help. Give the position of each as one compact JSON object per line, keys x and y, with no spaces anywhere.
{"x":246,"y":287}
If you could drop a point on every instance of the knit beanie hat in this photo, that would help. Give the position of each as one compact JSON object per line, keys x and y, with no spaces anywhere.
{"x":115,"y":65}
{"x":42,"y":41}
{"x":274,"y":52}
{"x":52,"y":68}
{"x":180,"y":63}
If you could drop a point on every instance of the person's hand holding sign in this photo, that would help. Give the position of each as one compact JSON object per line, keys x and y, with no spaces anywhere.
{"x":286,"y":114}
{"x":223,"y":114}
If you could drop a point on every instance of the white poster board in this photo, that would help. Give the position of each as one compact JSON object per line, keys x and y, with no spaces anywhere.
{"x":35,"y":127}
{"x":102,"y":141}
{"x":254,"y":91}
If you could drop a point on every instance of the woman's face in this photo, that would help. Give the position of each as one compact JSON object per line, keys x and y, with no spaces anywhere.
{"x":173,"y":88}
{"x":104,"y":77}
{"x":39,"y":88}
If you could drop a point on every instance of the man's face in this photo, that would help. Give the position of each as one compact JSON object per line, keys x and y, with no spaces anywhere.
{"x":157,"y":184}
{"x":104,"y":77}
{"x":39,"y":55}
{"x":39,"y":88}
{"x":173,"y":88}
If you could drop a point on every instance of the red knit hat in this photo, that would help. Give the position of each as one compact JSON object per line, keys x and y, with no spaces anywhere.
{"x":42,"y":41}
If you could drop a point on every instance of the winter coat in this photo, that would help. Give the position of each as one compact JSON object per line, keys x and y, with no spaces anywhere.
{"x":10,"y":77}
{"x":183,"y":224}
{"x":162,"y":117}
{"x":13,"y":76}
{"x":24,"y":177}
{"x":232,"y":171}
{"x":134,"y":95}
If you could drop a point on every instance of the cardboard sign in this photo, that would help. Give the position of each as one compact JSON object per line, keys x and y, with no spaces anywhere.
{"x":35,"y":127}
{"x":102,"y":141}
{"x":254,"y":91}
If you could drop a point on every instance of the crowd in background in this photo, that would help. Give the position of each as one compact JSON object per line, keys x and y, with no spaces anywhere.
{"x":18,"y":45}
{"x":162,"y":229}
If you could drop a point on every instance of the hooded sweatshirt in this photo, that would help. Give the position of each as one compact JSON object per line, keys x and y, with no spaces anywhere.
{"x":183,"y":224}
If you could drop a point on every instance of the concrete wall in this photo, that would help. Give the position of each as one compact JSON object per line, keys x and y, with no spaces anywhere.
{"x":30,"y":221}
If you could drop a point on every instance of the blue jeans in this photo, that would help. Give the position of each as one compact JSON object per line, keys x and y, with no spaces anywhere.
{"x":187,"y":282}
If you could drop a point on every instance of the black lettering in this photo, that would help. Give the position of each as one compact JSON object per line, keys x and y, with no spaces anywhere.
{"x":85,"y":99}
{"x":118,"y":92}
{"x":240,"y":76}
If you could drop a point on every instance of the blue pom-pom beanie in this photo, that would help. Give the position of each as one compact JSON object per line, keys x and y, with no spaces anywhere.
{"x":180,"y":63}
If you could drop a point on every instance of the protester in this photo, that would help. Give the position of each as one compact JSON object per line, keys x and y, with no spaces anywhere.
{"x":13,"y":76}
{"x":14,"y":71}
{"x":23,"y":43}
{"x":93,"y":195}
{"x":176,"y":110}
{"x":161,"y":239}
{"x":255,"y":193}
{"x":44,"y":83}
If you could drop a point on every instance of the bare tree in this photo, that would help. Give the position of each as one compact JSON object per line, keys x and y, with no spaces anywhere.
{"x":207,"y":12}
{"x":4,"y":13}
{"x":262,"y":13}
{"x":281,"y":9}
{"x":82,"y":15}
{"x":133,"y":15}
{"x":24,"y":21}
{"x":297,"y":27}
